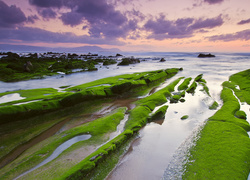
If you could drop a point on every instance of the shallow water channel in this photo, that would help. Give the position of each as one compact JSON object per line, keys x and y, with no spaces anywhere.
{"x":150,"y":154}
{"x":59,"y":150}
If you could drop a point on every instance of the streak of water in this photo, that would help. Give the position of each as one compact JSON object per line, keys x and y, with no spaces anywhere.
{"x":58,"y":151}
{"x":10,"y":97}
{"x":152,"y":152}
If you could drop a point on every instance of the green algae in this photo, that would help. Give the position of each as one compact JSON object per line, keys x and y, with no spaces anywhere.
{"x":205,"y":88}
{"x":228,"y":110}
{"x":214,"y":106}
{"x":97,"y":129}
{"x":159,"y":114}
{"x":241,"y":115}
{"x":184,"y":117}
{"x":242,"y":80}
{"x":123,"y":84}
{"x":191,"y":88}
{"x":198,"y":78}
{"x":139,"y":81}
{"x":184,"y":84}
{"x":175,"y":98}
{"x":138,"y":117}
{"x":222,"y":150}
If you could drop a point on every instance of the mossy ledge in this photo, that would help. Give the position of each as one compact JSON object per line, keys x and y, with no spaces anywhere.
{"x":223,"y":148}
{"x":119,"y":86}
{"x":137,"y":119}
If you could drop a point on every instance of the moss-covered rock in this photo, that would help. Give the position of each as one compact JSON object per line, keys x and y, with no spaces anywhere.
{"x":214,"y":106}
{"x":184,"y":117}
{"x":159,"y":114}
{"x":192,"y":88}
{"x":222,"y":150}
{"x":184,"y":84}
{"x":228,"y":110}
{"x":240,"y":114}
{"x":175,"y":98}
{"x":198,"y":78}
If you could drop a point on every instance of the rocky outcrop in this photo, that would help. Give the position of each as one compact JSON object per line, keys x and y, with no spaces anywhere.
{"x":127,"y":61}
{"x":162,"y":60}
{"x":205,"y":55}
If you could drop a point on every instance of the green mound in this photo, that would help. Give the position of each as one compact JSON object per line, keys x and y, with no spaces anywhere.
{"x":223,"y":148}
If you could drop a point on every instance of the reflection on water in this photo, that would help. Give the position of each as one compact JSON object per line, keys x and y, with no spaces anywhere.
{"x":59,"y":150}
{"x":157,"y":144}
{"x":10,"y":97}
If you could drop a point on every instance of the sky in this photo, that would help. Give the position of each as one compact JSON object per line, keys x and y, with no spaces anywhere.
{"x":129,"y":25}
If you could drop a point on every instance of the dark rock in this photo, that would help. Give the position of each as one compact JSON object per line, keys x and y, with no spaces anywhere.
{"x":184,"y":117}
{"x":205,"y":55}
{"x":127,"y":61}
{"x":182,"y":100}
{"x":109,"y":62}
{"x":118,"y":55}
{"x":162,"y":60}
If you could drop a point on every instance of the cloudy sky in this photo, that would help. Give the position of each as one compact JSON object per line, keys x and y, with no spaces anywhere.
{"x":130,"y":25}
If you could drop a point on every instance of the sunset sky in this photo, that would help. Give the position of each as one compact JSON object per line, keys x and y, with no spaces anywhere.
{"x":130,"y":25}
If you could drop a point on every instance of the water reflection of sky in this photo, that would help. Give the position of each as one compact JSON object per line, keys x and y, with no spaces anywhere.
{"x":10,"y":97}
{"x":214,"y":69}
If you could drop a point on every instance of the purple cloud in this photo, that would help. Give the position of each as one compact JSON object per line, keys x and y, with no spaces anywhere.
{"x":241,"y":35}
{"x":162,"y":28}
{"x":244,"y":22}
{"x":28,"y":34}
{"x":72,"y":18}
{"x":213,"y":1}
{"x":10,"y":16}
{"x":47,"y":3}
{"x":208,"y":23}
{"x":47,"y":13}
{"x":32,"y":19}
{"x":100,"y":16}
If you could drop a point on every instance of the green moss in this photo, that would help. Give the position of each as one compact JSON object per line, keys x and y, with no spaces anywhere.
{"x":14,"y":113}
{"x":242,"y":79}
{"x":184,"y":117}
{"x":205,"y":88}
{"x":184,"y":84}
{"x":241,"y":114}
{"x":228,"y":110}
{"x":97,"y":129}
{"x":159,"y":114}
{"x":214,"y":106}
{"x":182,"y":100}
{"x":159,"y":97}
{"x":198,"y":78}
{"x":137,"y":118}
{"x":222,"y":151}
{"x":175,"y":98}
{"x":192,"y":88}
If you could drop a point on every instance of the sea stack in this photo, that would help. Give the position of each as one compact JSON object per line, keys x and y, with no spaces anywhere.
{"x":205,"y":55}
